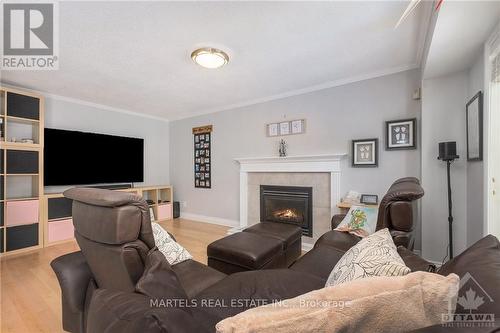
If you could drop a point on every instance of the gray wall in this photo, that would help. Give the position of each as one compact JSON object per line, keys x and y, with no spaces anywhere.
{"x":475,"y":173}
{"x":443,"y":119}
{"x":333,"y":117}
{"x":68,"y":115}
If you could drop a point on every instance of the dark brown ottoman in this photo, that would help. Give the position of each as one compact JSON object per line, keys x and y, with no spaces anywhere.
{"x":245,"y":251}
{"x":290,"y":235}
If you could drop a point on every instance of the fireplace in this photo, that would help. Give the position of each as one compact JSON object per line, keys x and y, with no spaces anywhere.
{"x":287,"y":204}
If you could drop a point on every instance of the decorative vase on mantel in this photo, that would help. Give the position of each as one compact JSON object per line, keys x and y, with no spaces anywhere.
{"x":282,"y":148}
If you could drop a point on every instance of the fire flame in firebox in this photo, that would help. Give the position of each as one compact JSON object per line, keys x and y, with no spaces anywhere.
{"x":287,"y":213}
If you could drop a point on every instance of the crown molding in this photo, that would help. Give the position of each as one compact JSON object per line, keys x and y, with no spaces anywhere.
{"x":85,"y":103}
{"x":291,"y":93}
{"x":303,"y":91}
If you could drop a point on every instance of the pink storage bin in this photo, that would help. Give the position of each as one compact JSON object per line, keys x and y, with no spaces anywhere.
{"x":22,"y":212}
{"x":60,"y":230}
{"x":164,"y":211}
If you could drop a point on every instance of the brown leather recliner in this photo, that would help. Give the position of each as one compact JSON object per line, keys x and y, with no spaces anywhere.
{"x":114,"y":234}
{"x":397,"y":212}
{"x":113,"y":230}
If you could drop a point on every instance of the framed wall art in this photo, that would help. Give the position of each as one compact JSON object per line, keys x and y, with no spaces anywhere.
{"x":202,"y":156}
{"x":273,"y":129}
{"x":474,"y":119}
{"x":401,"y":134}
{"x":286,"y":127}
{"x":365,"y":153}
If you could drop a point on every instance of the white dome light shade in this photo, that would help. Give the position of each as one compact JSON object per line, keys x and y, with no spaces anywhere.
{"x":209,"y":57}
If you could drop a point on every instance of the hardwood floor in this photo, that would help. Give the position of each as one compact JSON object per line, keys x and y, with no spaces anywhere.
{"x":30,"y":299}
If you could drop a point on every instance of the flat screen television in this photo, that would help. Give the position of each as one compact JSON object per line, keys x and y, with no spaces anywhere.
{"x":81,"y":158}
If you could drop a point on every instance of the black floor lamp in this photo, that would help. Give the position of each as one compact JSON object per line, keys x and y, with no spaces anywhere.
{"x":448,"y":153}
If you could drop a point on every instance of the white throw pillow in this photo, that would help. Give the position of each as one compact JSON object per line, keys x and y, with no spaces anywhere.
{"x":172,"y":250}
{"x":375,"y":255}
{"x":360,"y":221}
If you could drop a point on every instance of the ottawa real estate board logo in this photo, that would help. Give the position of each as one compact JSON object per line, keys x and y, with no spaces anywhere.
{"x":472,"y":299}
{"x":30,"y":36}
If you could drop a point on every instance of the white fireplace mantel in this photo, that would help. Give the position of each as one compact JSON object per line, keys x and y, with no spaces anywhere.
{"x":308,"y":163}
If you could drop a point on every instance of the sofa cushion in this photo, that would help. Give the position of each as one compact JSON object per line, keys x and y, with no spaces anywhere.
{"x":375,"y":255}
{"x":196,"y":277}
{"x":375,"y":305}
{"x":159,"y":281}
{"x":479,"y":269}
{"x":112,"y":311}
{"x":245,"y":249}
{"x":241,"y":291}
{"x":286,"y":233}
{"x":340,"y":240}
{"x":415,"y":262}
{"x":319,"y":261}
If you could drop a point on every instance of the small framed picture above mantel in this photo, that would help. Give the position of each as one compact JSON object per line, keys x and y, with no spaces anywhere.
{"x":286,"y":128}
{"x":474,"y":118}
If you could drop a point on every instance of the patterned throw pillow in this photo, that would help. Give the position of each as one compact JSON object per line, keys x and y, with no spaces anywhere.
{"x":360,"y":221}
{"x":172,"y":250}
{"x":375,"y":255}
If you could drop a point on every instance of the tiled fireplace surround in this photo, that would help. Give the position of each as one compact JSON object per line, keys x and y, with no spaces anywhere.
{"x":321,"y":172}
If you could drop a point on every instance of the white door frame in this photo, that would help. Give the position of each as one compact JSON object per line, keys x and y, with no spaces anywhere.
{"x":489,"y":218}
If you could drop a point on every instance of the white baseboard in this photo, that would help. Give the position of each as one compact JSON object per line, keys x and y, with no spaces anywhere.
{"x":210,"y":219}
{"x":307,"y":247}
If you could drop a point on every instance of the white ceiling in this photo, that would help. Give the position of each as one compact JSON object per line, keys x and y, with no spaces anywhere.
{"x":461,"y":29}
{"x":136,"y":55}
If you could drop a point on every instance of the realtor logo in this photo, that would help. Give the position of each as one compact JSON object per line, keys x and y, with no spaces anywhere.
{"x":471,"y":297}
{"x":30,"y":36}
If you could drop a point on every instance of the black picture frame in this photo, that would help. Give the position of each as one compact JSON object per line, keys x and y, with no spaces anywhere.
{"x":369,"y":199}
{"x":388,"y":134}
{"x":358,"y":164}
{"x":470,"y":127}
{"x":202,"y":160}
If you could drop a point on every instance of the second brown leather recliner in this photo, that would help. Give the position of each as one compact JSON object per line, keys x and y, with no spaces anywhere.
{"x":398,"y":212}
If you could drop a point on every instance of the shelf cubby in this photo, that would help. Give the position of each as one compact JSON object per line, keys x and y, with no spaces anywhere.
{"x":21,"y":236}
{"x":164,"y":204}
{"x":21,"y":187}
{"x":59,"y":208}
{"x":22,"y":106}
{"x":22,"y":162}
{"x":21,"y":212}
{"x":18,"y":129}
{"x":151,"y":197}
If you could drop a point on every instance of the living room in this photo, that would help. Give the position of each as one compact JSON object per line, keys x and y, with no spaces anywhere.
{"x":257,"y":146}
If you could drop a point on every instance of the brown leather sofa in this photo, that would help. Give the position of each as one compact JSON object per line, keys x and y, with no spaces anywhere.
{"x":100,"y":290}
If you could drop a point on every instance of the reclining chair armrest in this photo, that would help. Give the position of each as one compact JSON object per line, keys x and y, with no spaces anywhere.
{"x":336,"y":219}
{"x":74,"y":277}
{"x":129,"y":312}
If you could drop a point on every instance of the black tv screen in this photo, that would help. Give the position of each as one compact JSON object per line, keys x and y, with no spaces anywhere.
{"x":80,"y":158}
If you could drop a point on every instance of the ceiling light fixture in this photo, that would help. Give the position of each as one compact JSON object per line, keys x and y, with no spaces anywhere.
{"x":210,"y":57}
